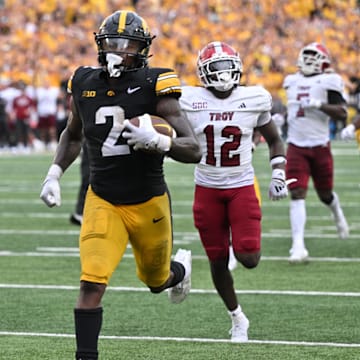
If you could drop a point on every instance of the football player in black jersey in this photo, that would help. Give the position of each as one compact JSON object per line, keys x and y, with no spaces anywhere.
{"x":127,"y":200}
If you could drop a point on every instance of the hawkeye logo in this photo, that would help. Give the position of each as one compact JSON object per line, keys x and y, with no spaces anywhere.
{"x":88,"y":93}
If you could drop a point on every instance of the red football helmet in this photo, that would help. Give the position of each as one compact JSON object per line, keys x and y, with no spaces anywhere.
{"x":219,"y":66}
{"x":313,"y":59}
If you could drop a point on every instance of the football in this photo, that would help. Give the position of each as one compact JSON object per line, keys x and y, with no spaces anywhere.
{"x":159,"y":124}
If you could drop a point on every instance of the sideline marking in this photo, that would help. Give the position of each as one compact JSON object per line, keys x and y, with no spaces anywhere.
{"x":182,"y":339}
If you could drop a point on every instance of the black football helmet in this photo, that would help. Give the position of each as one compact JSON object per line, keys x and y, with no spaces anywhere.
{"x":126,"y":37}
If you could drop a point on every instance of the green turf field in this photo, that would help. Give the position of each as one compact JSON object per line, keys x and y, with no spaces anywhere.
{"x":295,"y":311}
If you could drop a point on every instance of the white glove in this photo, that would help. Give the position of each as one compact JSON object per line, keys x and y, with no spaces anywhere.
{"x":278,"y":188}
{"x":310,"y":103}
{"x":50,"y":192}
{"x":348,"y":132}
{"x":145,"y":136}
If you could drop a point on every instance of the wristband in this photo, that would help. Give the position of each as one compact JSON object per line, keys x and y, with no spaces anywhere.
{"x":164,"y":143}
{"x":55,"y":171}
{"x":279,"y":159}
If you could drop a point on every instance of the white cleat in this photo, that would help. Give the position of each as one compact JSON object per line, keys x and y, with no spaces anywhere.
{"x":239,"y":330}
{"x":179,"y":292}
{"x":298,"y":256}
{"x":342,"y":228}
{"x":233,"y":263}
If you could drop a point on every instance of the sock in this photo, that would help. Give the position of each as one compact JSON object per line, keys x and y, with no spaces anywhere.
{"x":179,"y":272}
{"x":234,"y":314}
{"x":87,"y":329}
{"x":335,"y":207}
{"x":297,"y":221}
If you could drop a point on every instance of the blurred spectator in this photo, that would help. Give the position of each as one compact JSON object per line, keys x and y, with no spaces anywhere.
{"x":62,"y":109}
{"x":4,"y":131}
{"x":47,"y":108}
{"x":23,"y":107}
{"x":8,"y":93}
{"x":354,"y":93}
{"x":267,"y":39}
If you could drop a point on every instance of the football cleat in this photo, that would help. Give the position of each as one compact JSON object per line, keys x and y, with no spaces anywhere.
{"x":239,"y":330}
{"x":298,"y":256}
{"x":179,"y":292}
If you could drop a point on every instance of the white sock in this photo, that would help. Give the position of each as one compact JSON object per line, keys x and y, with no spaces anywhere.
{"x":297,"y":221}
{"x":336,"y":208}
{"x":235,"y":313}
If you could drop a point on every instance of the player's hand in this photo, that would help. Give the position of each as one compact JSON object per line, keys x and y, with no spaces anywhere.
{"x":348,"y":132}
{"x":278,"y":188}
{"x":310,"y":103}
{"x":145,"y":136}
{"x":50,"y":191}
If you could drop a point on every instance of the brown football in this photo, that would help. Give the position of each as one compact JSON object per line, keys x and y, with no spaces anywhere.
{"x":159,"y":124}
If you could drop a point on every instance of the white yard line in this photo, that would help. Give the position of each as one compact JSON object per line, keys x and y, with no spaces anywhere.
{"x":193,"y":291}
{"x":73,"y":252}
{"x":183,"y":339}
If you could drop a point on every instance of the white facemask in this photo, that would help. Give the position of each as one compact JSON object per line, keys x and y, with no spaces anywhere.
{"x":113,"y":62}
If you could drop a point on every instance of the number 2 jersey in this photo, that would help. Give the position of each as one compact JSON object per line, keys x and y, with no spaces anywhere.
{"x":225,"y":128}
{"x":119,"y":174}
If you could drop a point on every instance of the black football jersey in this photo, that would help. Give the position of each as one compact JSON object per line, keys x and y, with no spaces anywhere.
{"x":119,"y":174}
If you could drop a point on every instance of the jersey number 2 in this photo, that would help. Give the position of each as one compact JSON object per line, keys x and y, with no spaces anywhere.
{"x":116,"y":115}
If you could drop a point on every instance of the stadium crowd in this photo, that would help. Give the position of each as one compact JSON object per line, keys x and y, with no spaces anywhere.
{"x":42,"y":42}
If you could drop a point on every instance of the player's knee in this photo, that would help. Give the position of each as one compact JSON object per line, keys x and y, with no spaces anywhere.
{"x":249,"y":261}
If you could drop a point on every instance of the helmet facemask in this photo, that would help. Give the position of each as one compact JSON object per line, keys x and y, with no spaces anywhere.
{"x":123,"y":49}
{"x":219,"y":67}
{"x":313,"y":59}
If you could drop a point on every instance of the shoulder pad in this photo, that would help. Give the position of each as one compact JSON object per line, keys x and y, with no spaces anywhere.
{"x":168,"y":82}
{"x":332,"y":81}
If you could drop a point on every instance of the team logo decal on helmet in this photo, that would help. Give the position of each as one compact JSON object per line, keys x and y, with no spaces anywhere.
{"x":219,"y":66}
{"x":123,"y":42}
{"x":313,"y":59}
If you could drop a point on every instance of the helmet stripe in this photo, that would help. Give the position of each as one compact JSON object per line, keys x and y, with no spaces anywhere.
{"x":145,"y":26}
{"x":122,"y":21}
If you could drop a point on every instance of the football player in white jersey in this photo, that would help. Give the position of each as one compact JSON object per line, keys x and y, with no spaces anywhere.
{"x":314,"y":95}
{"x":224,"y":115}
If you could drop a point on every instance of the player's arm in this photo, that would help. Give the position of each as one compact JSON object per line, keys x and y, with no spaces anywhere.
{"x":70,"y":140}
{"x":276,"y":146}
{"x":185,"y":147}
{"x":67,"y":151}
{"x":348,"y":132}
{"x":278,"y":188}
{"x":336,"y":107}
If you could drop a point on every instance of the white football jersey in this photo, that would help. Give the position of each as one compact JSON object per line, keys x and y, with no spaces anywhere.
{"x":224,"y":128}
{"x":309,"y":127}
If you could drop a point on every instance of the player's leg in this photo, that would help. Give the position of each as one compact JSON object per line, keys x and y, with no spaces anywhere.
{"x":298,"y":167}
{"x":210,"y":219}
{"x":323,"y":177}
{"x":103,"y":240}
{"x":151,"y":240}
{"x":244,"y":214}
{"x":233,"y":262}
